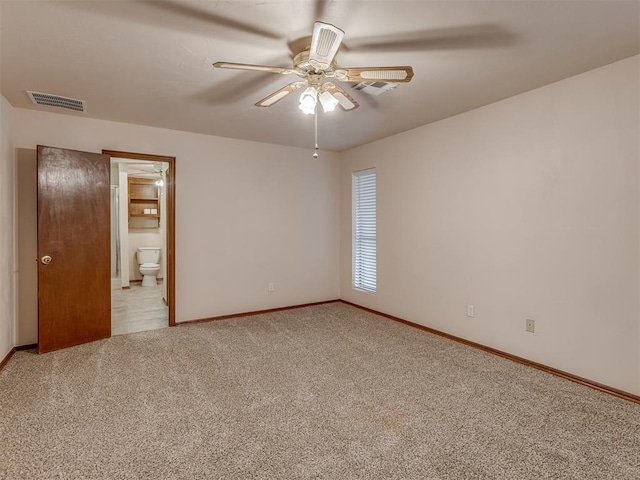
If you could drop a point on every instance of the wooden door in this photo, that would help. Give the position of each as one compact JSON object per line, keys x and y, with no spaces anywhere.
{"x":74,"y":286}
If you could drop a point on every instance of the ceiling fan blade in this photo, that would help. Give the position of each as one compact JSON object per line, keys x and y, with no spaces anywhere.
{"x":375,"y":74}
{"x":196,"y":13}
{"x":278,"y":95}
{"x":318,"y":8}
{"x":325,"y":42}
{"x":345,"y":100}
{"x":255,"y":68}
{"x":461,"y":37}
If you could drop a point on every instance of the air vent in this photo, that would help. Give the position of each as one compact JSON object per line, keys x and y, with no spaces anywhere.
{"x":375,"y":88}
{"x":50,"y":100}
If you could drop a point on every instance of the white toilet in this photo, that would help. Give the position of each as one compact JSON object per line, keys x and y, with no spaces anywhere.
{"x":148,"y":258}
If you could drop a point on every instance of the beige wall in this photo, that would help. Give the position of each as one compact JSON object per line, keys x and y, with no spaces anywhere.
{"x":246,"y":213}
{"x":527,"y":207}
{"x":7,"y":204}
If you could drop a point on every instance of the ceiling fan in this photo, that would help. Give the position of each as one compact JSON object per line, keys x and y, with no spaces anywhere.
{"x":317,"y":68}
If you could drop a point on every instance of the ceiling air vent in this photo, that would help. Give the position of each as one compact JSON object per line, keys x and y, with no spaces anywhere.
{"x":50,"y":100}
{"x":375,"y":88}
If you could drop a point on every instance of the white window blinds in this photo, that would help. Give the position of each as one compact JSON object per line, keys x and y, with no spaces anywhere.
{"x":364,"y":230}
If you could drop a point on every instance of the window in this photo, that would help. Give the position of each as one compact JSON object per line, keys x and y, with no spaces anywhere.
{"x":364,"y":230}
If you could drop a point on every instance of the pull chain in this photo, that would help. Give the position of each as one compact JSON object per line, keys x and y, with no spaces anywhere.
{"x":315,"y":154}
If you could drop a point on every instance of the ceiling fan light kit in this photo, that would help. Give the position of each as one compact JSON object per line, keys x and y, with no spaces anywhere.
{"x":328,"y":102}
{"x":317,"y":67}
{"x":308,"y":100}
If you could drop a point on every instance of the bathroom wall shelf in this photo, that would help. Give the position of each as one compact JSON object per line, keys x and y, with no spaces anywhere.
{"x":144,"y":196}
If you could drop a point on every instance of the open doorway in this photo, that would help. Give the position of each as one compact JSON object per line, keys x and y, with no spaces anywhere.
{"x":142,"y":242}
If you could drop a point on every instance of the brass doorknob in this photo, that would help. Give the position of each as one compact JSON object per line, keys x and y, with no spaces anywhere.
{"x":46,"y":260}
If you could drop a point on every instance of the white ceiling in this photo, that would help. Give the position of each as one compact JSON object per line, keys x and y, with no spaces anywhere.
{"x":149,"y":62}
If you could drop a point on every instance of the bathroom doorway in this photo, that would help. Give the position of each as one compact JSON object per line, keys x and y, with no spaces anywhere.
{"x":142,"y":242}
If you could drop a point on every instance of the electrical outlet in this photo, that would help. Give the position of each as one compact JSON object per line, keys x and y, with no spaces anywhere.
{"x":471,"y":311}
{"x":271,"y":287}
{"x":530,"y":325}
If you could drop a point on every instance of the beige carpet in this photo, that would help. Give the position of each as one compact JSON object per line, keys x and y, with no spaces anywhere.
{"x":326,"y":392}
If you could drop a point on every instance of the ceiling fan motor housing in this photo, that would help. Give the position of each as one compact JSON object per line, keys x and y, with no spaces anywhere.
{"x":306,"y":67}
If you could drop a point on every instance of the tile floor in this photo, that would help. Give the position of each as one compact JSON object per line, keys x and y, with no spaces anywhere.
{"x":138,"y":309}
